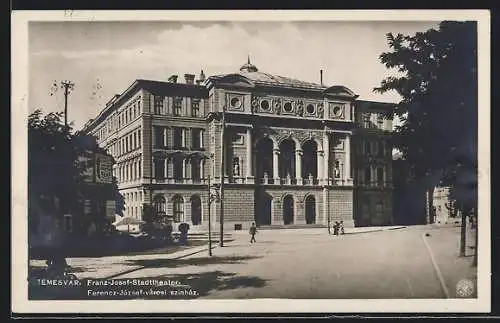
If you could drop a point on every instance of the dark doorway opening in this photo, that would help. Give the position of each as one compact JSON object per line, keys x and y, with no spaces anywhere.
{"x":195,"y":210}
{"x":310,"y":210}
{"x":288,"y":211}
{"x":263,"y":209}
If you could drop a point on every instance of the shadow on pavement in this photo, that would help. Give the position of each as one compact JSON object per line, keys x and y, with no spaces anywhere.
{"x":198,"y":261}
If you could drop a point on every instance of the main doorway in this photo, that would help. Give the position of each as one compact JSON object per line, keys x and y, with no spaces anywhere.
{"x":263,"y":209}
{"x":288,"y":211}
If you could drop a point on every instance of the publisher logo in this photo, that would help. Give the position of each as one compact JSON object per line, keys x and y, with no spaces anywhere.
{"x":465,"y":288}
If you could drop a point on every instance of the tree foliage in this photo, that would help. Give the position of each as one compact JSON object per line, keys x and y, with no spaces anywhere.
{"x":54,"y":168}
{"x":436,"y":77}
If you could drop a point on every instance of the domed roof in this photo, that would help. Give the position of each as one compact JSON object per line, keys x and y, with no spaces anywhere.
{"x":248,"y":67}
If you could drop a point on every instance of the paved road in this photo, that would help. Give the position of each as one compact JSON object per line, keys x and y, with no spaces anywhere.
{"x":309,"y":264}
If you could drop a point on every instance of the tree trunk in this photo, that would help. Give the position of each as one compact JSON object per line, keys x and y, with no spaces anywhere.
{"x":463,"y":228}
{"x":474,"y":261}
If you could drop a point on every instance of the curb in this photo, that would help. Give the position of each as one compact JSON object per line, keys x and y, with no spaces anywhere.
{"x":436,"y":268}
{"x":376,"y":230}
{"x":142,"y":267}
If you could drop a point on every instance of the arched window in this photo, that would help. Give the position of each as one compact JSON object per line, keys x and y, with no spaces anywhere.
{"x":160,"y":206}
{"x":195,"y":210}
{"x":178,"y":167}
{"x":178,"y":202}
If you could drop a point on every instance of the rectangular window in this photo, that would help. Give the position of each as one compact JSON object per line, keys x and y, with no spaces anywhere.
{"x":196,"y":138}
{"x":195,"y":108}
{"x":139,"y":169}
{"x":380,"y":176}
{"x":380,"y":121}
{"x":366,"y":120}
{"x":367,"y":149}
{"x":158,"y":104}
{"x":375,"y":148}
{"x":177,"y":106}
{"x":135,"y":140}
{"x":177,"y":137}
{"x":178,"y":210}
{"x":159,"y":137}
{"x":159,"y":168}
{"x":368,"y":175}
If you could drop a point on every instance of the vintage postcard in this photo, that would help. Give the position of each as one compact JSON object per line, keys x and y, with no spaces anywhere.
{"x":250,"y":161}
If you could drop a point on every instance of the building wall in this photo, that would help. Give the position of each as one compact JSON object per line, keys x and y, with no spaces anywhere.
{"x":371,"y":151}
{"x":335,"y":198}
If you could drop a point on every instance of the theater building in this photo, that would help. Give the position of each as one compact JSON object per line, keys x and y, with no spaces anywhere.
{"x":294,"y":151}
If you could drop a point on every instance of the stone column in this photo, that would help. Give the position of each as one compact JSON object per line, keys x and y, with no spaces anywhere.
{"x":202,"y":168}
{"x":326,"y":158}
{"x":320,"y":163}
{"x":183,"y":141}
{"x":201,"y":138}
{"x":276,"y":176}
{"x":165,"y":165}
{"x":184,"y":168}
{"x":347,"y":168}
{"x":165,"y":137}
{"x":249,"y":152}
{"x":298,"y":166}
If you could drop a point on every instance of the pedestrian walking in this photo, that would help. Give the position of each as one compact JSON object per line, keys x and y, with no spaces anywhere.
{"x":341,"y":225}
{"x":252,"y":231}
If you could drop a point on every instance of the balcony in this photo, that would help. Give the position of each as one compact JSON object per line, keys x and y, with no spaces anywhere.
{"x":377,"y":184}
{"x":305,"y":181}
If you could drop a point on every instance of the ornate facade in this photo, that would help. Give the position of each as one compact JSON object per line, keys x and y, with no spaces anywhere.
{"x":289,"y":151}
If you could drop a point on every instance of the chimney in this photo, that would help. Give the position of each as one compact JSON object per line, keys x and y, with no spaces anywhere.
{"x":172,"y":79}
{"x":321,"y":77}
{"x":189,"y":78}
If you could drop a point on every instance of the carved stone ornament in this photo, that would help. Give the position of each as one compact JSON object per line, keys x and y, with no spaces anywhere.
{"x":321,"y":111}
{"x":300,"y":107}
{"x":277,"y":105}
{"x":255,"y":104}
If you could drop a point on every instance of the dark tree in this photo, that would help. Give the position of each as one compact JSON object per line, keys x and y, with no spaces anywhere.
{"x":437,"y":80}
{"x":54,"y":168}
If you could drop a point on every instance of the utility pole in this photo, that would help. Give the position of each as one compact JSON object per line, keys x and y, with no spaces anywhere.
{"x":222,"y":172}
{"x":67,"y":86}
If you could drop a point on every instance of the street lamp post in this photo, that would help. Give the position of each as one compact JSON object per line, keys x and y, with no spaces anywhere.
{"x":209,"y":204}
{"x":222,"y":173}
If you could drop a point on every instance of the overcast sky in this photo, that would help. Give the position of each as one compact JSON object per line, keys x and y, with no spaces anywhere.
{"x":104,"y":58}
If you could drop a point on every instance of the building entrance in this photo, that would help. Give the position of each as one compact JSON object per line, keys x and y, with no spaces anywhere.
{"x":288,"y":210}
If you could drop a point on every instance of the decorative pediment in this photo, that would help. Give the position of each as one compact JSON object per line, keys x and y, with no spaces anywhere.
{"x":235,"y":80}
{"x":339,"y":90}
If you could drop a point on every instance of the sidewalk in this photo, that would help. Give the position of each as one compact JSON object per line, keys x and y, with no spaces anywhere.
{"x":112,"y":266}
{"x":108,"y":267}
{"x":445,"y":245}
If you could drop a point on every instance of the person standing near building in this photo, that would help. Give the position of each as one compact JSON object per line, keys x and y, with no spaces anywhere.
{"x":341,"y":225}
{"x":253,"y":231}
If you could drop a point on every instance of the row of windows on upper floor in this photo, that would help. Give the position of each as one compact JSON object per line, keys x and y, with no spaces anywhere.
{"x":373,"y":148}
{"x":125,"y":172}
{"x":176,"y":137}
{"x":125,"y":144}
{"x":119,"y":119}
{"x":161,"y":108}
{"x":371,"y":176}
{"x":374,"y":120}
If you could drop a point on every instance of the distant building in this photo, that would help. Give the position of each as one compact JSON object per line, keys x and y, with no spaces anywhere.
{"x":374,"y":182}
{"x":295,"y":152}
